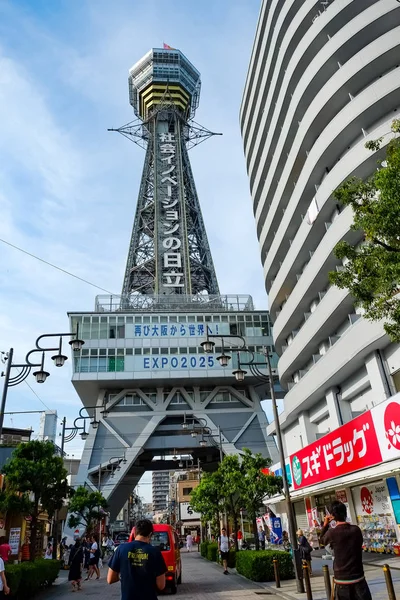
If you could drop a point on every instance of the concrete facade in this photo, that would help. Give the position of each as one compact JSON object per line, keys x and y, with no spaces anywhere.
{"x":323,"y":80}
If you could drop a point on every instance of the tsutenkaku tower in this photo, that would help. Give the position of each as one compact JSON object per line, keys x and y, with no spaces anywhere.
{"x":169,"y":251}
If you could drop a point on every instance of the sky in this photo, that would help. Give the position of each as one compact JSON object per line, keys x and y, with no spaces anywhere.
{"x":68,"y":187}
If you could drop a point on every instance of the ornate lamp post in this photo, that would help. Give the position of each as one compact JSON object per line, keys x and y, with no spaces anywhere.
{"x":40,"y":374}
{"x":239,"y":374}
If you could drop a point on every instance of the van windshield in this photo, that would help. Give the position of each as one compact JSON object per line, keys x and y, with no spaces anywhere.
{"x":161,"y":540}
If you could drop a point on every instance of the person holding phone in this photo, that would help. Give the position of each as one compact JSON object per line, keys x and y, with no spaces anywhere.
{"x":346,"y":540}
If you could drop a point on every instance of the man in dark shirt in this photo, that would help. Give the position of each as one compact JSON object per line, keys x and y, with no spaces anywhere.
{"x":346,"y":541}
{"x":141,"y":566}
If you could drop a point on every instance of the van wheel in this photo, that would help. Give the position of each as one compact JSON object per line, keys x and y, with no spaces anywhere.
{"x":173,"y":588}
{"x":179,"y":580}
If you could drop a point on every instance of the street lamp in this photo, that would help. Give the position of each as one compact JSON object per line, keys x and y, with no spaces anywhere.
{"x":255,"y":371}
{"x":25,"y":368}
{"x":79,"y":428}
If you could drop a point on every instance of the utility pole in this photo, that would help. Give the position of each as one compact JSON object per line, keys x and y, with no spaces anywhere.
{"x":5,"y":388}
{"x":220,"y":445}
{"x":289,"y":505}
{"x":64,"y":422}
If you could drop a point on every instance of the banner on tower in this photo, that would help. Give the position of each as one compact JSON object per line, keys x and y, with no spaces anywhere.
{"x":171,"y":262}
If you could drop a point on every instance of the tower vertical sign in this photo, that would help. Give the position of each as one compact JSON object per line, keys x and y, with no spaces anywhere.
{"x":172,"y":275}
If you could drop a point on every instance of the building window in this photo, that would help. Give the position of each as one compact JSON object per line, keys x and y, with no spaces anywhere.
{"x":187,"y":491}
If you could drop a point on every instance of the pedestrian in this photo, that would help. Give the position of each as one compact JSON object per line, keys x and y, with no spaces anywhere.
{"x":5,"y":550}
{"x":261,"y":537}
{"x":94,"y":559}
{"x":86,"y":553}
{"x":305,"y":549}
{"x":346,"y":541}
{"x":223,"y":549}
{"x":75,"y":562}
{"x":4,"y":589}
{"x":189,"y":542}
{"x":141,"y":566}
{"x":48,"y":553}
{"x":239,"y":539}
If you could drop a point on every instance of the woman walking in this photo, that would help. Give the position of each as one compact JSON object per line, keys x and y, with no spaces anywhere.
{"x":75,"y":565}
{"x":305,"y":549}
{"x":94,"y":559}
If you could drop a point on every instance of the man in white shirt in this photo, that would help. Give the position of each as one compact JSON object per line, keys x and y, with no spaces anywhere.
{"x":223,"y":548}
{"x":4,"y":589}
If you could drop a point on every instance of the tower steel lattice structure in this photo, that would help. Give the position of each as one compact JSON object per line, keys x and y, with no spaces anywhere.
{"x":169,"y":253}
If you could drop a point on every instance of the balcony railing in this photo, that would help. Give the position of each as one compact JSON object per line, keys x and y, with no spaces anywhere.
{"x":199,"y":302}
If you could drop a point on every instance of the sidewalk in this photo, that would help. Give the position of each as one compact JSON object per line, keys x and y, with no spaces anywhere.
{"x":373,"y":573}
{"x":201,"y":580}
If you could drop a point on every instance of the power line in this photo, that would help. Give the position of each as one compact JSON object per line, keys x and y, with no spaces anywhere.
{"x":33,"y":391}
{"x":55,"y":267}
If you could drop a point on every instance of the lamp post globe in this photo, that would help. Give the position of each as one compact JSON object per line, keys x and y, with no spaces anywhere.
{"x":239,"y":375}
{"x":59,"y":359}
{"x":41,"y":376}
{"x":207,"y":346}
{"x":223,"y":360}
{"x":76,"y":344}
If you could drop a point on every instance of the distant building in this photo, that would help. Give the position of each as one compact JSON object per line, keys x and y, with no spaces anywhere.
{"x":48,"y":426}
{"x":160,"y":490}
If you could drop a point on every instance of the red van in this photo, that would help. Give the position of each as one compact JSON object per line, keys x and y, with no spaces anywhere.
{"x":166,"y":539}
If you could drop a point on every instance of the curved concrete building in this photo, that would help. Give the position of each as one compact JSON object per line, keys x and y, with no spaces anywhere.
{"x":323,"y":79}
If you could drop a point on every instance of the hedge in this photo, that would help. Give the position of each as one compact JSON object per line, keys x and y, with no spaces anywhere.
{"x":25,"y":579}
{"x":203,"y":549}
{"x":257,"y":565}
{"x":212,"y":552}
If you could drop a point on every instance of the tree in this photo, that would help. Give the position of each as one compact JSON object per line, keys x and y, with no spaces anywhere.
{"x":232,"y":488}
{"x":36,"y":482}
{"x":87,"y":508}
{"x":257,"y":485}
{"x":206,"y":498}
{"x":372,"y":270}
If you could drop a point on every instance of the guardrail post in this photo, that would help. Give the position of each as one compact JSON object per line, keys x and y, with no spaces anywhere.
{"x":327,"y":581}
{"x":307,"y":582}
{"x":276,"y":573}
{"x":389,"y":582}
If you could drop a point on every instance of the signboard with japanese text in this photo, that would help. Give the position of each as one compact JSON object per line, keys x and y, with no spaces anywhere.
{"x":187,"y":513}
{"x":175,"y":330}
{"x":172,"y":258}
{"x":14,"y":540}
{"x":367,"y":440}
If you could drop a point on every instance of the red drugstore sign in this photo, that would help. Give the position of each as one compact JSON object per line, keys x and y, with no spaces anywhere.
{"x":367,"y":440}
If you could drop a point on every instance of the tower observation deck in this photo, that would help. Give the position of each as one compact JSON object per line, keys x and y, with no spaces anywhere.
{"x":169,"y":252}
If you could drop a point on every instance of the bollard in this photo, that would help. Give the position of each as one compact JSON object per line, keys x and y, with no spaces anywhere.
{"x":327,"y":581}
{"x":276,"y":573}
{"x":307,"y":582}
{"x":389,"y":582}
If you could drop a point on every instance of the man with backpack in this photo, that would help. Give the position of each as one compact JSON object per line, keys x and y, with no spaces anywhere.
{"x":305,"y":549}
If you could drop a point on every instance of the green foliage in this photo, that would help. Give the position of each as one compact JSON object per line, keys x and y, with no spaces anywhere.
{"x":232,"y":558}
{"x":257,"y":565}
{"x":86,"y":508}
{"x":36,"y":482}
{"x":206,"y":498}
{"x":203,"y":549}
{"x":26,"y":579}
{"x":212,"y":552}
{"x":257,"y":486}
{"x":371,"y":270}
